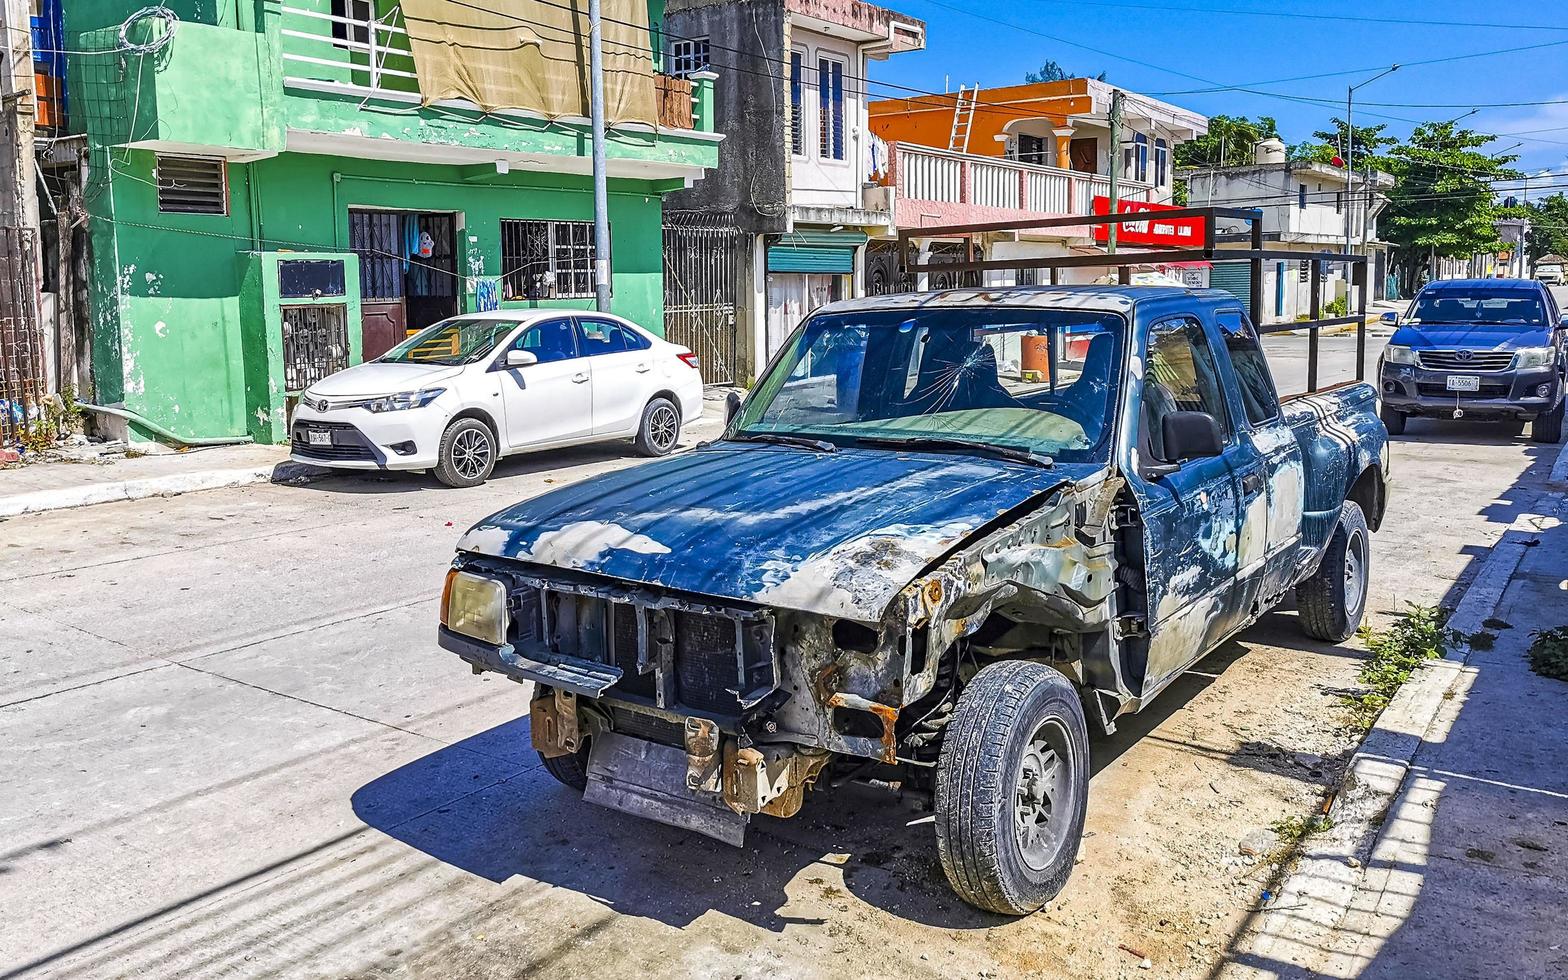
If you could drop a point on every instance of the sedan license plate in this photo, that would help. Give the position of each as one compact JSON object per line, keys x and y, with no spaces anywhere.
{"x":1464,"y":382}
{"x":318,"y":437}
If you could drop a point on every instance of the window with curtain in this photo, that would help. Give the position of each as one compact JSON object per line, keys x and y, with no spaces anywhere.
{"x":830,"y":98}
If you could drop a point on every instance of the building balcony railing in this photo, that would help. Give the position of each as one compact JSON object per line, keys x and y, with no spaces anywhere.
{"x":965,"y":186}
{"x":367,"y":54}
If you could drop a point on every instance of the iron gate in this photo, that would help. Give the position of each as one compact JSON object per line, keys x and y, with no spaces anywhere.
{"x":315,"y":344}
{"x":22,"y":381}
{"x":700,"y":253}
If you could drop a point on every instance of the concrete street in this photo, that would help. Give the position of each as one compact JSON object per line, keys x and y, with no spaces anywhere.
{"x":229,"y":744}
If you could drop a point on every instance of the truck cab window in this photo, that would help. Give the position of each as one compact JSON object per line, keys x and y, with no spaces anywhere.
{"x":1258,"y":396}
{"x":1179,"y":376}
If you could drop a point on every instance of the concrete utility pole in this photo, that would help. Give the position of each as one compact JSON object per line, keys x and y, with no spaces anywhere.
{"x":601,"y":213}
{"x":1116,"y":166}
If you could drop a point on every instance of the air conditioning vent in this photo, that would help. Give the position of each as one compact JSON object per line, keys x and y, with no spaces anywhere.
{"x":191,"y":185}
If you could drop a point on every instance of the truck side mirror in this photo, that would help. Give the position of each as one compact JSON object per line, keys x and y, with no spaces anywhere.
{"x":1562,"y":322}
{"x":1391,"y":318}
{"x":1191,"y":435}
{"x":731,"y":406}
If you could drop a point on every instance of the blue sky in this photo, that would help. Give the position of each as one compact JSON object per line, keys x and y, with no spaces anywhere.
{"x":1156,"y":46}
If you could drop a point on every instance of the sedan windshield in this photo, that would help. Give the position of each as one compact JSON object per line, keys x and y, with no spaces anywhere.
{"x":460,"y":341}
{"x":1478,"y":306}
{"x":1019,"y":381}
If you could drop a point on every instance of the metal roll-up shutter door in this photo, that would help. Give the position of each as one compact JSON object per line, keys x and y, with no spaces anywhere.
{"x":1233,"y":277}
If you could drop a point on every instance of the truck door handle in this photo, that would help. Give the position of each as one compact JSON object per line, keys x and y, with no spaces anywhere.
{"x":1252,"y":482}
{"x":579,"y":377}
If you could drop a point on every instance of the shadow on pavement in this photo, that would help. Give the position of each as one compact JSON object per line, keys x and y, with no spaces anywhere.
{"x":1471,"y":858}
{"x":523,"y":464}
{"x":882,"y":843}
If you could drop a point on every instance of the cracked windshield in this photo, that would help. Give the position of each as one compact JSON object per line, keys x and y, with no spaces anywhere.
{"x":1030,"y":381}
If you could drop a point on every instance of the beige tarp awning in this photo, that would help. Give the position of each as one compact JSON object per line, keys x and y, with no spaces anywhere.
{"x":532,"y":54}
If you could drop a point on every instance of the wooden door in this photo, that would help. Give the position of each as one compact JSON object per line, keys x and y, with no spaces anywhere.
{"x":380,"y":240}
{"x":1084,"y":153}
{"x":382,"y":327}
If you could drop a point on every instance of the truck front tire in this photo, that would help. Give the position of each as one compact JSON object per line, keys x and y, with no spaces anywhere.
{"x":1548,"y":426}
{"x":571,"y":769}
{"x":1012,"y":787}
{"x":1393,"y":421}
{"x":1333,"y":600}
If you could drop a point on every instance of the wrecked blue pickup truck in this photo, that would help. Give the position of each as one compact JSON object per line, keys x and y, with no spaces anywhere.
{"x":943,"y":532}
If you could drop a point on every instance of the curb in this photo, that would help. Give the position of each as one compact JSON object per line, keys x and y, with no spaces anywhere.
{"x":88,"y":494}
{"x":1318,"y":893}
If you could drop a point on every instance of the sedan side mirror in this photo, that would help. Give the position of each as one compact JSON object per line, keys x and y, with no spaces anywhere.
{"x":1191,"y":435}
{"x":1391,"y":318}
{"x":731,"y":406}
{"x":521,"y":358}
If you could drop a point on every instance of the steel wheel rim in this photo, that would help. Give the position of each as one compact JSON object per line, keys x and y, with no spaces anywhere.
{"x":1043,"y":795}
{"x":1355,"y":570}
{"x":664,"y":427}
{"x":471,"y":453}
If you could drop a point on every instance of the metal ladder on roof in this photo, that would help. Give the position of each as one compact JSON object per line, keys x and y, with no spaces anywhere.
{"x":963,"y":115}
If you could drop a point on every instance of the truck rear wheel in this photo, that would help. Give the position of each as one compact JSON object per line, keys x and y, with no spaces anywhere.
{"x":570,"y":769}
{"x":1548,"y":426}
{"x":1334,"y":599}
{"x":1393,"y":421}
{"x":1012,"y":786}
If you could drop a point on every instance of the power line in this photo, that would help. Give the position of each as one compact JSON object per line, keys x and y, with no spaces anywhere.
{"x":1315,"y":16}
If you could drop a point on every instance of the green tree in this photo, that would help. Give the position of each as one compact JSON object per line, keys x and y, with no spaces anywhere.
{"x":1228,"y":143}
{"x":1328,"y":143}
{"x":1548,"y":226}
{"x":1442,"y":202}
{"x":1053,"y":72}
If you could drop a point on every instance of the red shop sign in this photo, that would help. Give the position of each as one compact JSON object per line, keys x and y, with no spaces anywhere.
{"x":1178,"y":232}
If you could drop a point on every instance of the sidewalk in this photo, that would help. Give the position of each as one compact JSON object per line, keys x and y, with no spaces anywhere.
{"x":1466,"y":873}
{"x":89,"y":478}
{"x":1470,"y":875}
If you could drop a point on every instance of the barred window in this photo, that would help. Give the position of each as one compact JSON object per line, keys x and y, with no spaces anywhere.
{"x":688,"y":55}
{"x":547,"y":259}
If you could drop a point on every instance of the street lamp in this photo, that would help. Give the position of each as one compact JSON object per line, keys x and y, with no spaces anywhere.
{"x":1350,"y":149}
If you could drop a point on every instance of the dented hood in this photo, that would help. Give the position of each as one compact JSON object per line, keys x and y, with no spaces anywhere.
{"x":838,"y":534}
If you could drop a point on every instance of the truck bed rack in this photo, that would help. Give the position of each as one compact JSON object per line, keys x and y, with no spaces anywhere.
{"x":1211,"y":251}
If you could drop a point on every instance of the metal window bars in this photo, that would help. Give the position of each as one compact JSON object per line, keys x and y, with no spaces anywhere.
{"x":1210,"y":251}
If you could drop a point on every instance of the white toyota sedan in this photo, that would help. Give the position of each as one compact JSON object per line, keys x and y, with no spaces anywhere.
{"x":464,"y":392}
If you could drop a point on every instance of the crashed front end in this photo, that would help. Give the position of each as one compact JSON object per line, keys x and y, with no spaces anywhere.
{"x":699,"y":711}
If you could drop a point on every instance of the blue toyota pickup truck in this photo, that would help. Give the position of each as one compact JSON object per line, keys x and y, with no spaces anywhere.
{"x":943,"y":533}
{"x":1478,"y":349}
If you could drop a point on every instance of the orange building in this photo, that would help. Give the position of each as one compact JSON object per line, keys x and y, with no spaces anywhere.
{"x":1063,"y":124}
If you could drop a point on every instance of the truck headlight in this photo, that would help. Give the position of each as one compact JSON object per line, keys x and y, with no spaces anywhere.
{"x":1398,"y":355}
{"x":1534,"y":357}
{"x":475,"y":606}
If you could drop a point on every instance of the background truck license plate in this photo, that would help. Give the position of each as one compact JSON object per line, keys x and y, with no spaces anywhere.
{"x":1459,"y":382}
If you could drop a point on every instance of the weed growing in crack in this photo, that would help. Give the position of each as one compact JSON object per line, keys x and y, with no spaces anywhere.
{"x":1419,"y":634}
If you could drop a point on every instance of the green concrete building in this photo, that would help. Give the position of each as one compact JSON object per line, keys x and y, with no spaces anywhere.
{"x":270,"y":199}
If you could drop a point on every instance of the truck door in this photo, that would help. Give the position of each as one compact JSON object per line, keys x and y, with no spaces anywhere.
{"x":1189,"y":516}
{"x":1267,"y":470}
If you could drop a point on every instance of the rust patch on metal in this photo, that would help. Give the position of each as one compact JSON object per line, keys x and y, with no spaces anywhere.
{"x":885,"y":713}
{"x":552,"y":723}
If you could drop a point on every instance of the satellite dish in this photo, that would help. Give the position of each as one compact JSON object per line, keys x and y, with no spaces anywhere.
{"x":1338,"y":161}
